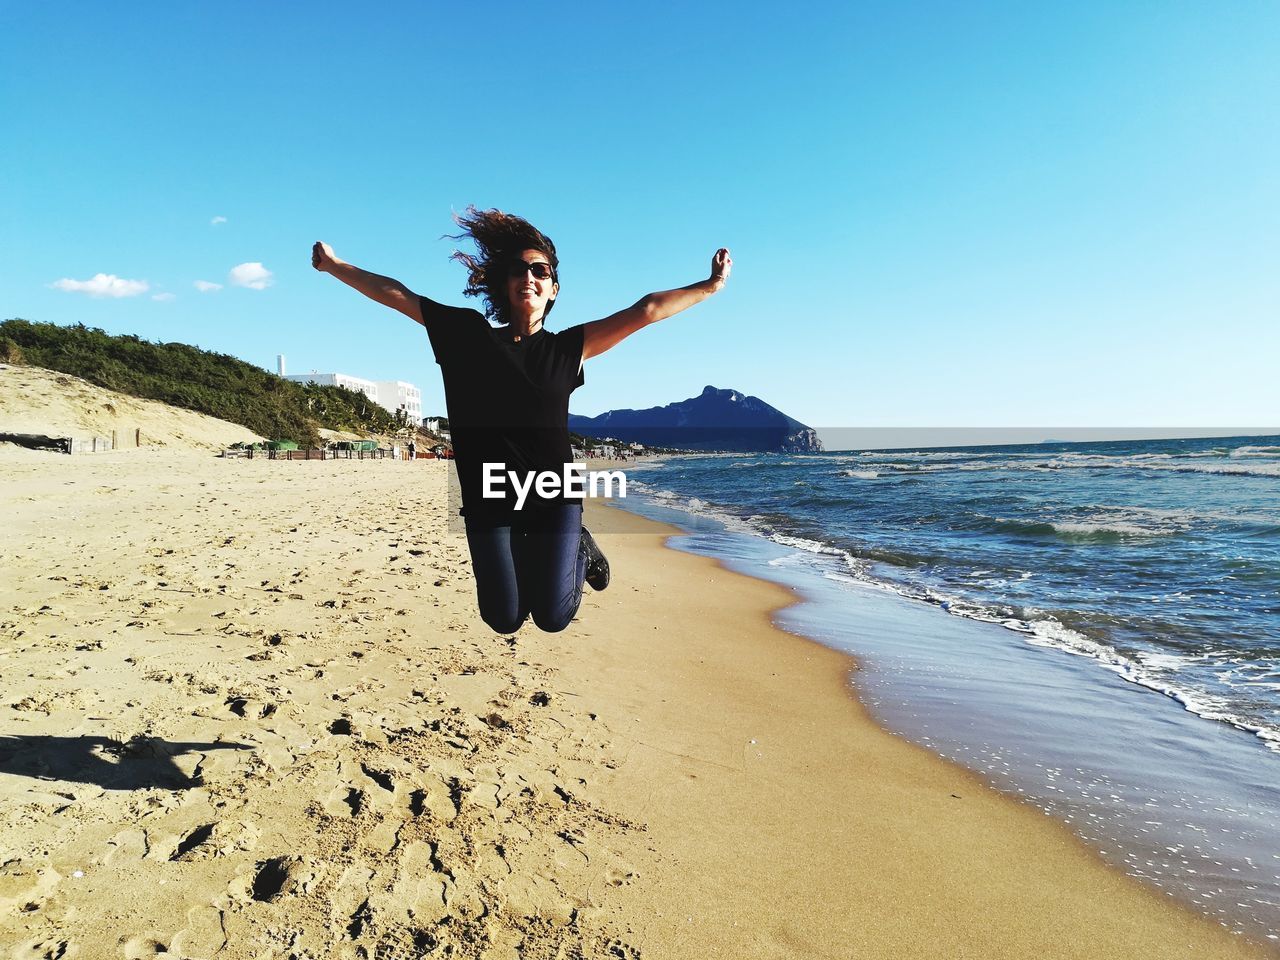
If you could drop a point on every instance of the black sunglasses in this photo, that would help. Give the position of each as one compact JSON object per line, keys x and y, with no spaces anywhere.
{"x":539,"y":268}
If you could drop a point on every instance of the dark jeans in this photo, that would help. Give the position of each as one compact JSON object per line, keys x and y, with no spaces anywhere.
{"x":535,"y":565}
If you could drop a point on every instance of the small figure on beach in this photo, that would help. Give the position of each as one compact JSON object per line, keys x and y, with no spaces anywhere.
{"x":413,"y":450}
{"x":507,"y":386}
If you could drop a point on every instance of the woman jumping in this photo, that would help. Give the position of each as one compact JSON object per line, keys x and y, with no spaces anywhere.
{"x":507,"y":394}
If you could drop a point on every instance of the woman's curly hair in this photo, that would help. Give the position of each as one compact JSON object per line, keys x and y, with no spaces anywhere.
{"x":499,"y":237}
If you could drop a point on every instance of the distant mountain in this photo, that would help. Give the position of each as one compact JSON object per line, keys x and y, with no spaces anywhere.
{"x":713,"y":420}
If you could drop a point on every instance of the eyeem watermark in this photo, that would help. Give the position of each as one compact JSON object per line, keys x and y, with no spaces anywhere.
{"x":574,"y":481}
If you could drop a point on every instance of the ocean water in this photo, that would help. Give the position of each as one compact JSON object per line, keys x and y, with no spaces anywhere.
{"x":1159,"y":560}
{"x":1093,"y":627}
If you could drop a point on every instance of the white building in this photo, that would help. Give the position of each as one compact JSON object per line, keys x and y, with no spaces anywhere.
{"x":392,"y":395}
{"x":398,"y":395}
{"x":367,"y":387}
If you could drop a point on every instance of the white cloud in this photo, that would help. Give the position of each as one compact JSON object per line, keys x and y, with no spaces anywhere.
{"x":207,"y":286}
{"x":217,"y":220}
{"x":252,"y":275}
{"x":163,"y":297}
{"x":103,"y":285}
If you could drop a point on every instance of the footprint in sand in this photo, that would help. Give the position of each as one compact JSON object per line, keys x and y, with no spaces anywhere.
{"x":349,"y":902}
{"x":532,"y":896}
{"x":143,"y":948}
{"x":618,"y":875}
{"x":344,"y":801}
{"x":412,"y":888}
{"x":484,"y":791}
{"x":44,"y":950}
{"x":382,"y":778}
{"x":463,"y":898}
{"x":621,"y":950}
{"x":405,"y":944}
{"x":128,"y":846}
{"x":219,"y":839}
{"x":203,"y":935}
{"x":24,"y":888}
{"x":251,"y":709}
{"x":434,"y":798}
{"x":275,"y":879}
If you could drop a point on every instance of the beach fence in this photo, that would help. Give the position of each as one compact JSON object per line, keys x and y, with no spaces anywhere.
{"x":119,"y":440}
{"x":316,"y":453}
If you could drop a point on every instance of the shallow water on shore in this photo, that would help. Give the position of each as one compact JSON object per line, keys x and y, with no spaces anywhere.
{"x":1189,"y":806}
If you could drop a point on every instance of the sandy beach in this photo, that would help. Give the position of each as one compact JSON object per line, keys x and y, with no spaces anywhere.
{"x":250,"y":710}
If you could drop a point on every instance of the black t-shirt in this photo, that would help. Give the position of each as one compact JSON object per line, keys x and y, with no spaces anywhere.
{"x":508,"y":402}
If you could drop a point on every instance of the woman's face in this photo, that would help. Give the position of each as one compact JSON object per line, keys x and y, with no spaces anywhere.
{"x":528,"y":293}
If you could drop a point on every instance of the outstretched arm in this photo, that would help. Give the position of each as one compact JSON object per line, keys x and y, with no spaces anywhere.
{"x":388,"y":292}
{"x":601,"y":335}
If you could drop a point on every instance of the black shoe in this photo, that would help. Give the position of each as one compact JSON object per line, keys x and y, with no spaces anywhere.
{"x":597,"y":565}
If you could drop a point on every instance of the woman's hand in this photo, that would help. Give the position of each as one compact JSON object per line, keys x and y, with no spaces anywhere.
{"x":383,"y":290}
{"x":601,"y":335}
{"x":721,"y":264}
{"x":322,"y":257}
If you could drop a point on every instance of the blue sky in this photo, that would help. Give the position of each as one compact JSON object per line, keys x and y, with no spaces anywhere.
{"x":940,"y":214}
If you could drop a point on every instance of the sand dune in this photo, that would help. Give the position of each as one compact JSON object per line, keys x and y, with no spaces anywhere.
{"x":35,"y":400}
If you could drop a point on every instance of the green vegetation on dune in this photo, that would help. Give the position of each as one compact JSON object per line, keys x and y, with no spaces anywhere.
{"x":210,"y":383}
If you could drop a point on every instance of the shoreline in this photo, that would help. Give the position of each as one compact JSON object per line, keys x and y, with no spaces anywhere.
{"x":324,"y":749}
{"x":1031,"y":858}
{"x":1181,"y":804}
